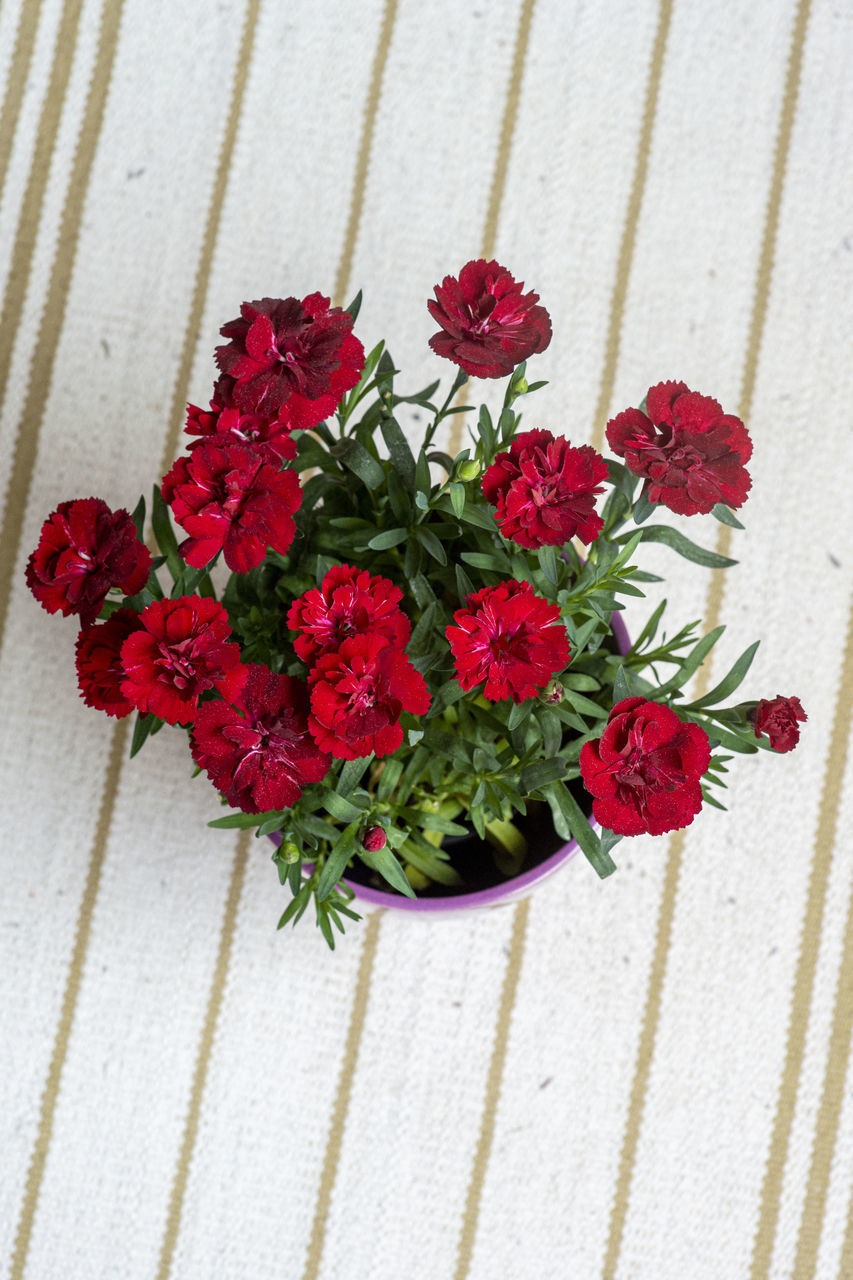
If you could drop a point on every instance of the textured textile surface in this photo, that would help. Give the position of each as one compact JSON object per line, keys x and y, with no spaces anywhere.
{"x":643,"y":1079}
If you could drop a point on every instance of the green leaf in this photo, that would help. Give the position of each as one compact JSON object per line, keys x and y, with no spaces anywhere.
{"x":608,"y":839}
{"x":570,"y":821}
{"x":354,"y":307}
{"x":340,"y":808}
{"x":729,"y":683}
{"x":398,"y":447}
{"x":643,"y":508}
{"x":351,"y":774}
{"x":422,"y":591}
{"x":431,"y":544}
{"x":479,"y":560}
{"x":586,"y":706}
{"x":423,"y":481}
{"x":622,"y":685}
{"x":138,"y":516}
{"x":683,"y":546}
{"x":165,"y":534}
{"x":428,"y":861}
{"x":335,"y":864}
{"x":388,"y":538}
{"x":243,"y":821}
{"x":548,"y":563}
{"x":144,"y":725}
{"x":464,"y":585}
{"x":296,"y":909}
{"x":518,"y":714}
{"x":649,"y":631}
{"x":690,"y":664}
{"x":541,"y":773}
{"x":355,"y":457}
{"x":725,"y":516}
{"x":552,"y":731}
{"x":385,"y":862}
{"x":457,"y":498}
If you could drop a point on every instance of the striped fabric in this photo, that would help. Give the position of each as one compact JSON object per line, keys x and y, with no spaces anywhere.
{"x":646,"y":1079}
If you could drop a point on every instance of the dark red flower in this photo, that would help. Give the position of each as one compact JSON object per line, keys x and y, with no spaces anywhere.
{"x":358,"y":695}
{"x":488,"y":324}
{"x":691,"y":454}
{"x":99,"y":667}
{"x":544,"y":490}
{"x":776,"y":719}
{"x":644,"y":771}
{"x":349,"y":602}
{"x":84,"y":550}
{"x":181,"y":651}
{"x":286,"y":352}
{"x":224,"y":418}
{"x":509,"y":638}
{"x":257,"y":749}
{"x":229,"y":497}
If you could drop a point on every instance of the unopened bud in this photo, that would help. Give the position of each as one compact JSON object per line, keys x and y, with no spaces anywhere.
{"x":374,"y":839}
{"x":469,"y":469}
{"x":289,"y":852}
{"x":554,"y":693}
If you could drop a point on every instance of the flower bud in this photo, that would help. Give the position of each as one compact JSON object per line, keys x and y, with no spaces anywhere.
{"x":554,"y":693}
{"x":374,"y":839}
{"x":469,"y":469}
{"x":289,"y":852}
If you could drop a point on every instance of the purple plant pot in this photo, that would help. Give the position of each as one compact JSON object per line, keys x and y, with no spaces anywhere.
{"x":510,"y":890}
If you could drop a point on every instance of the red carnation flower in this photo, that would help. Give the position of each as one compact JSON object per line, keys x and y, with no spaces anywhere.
{"x":224,"y":418}
{"x":180,"y":652}
{"x":99,"y":667}
{"x":776,"y":718}
{"x":84,"y":550}
{"x":349,"y":602}
{"x":545,"y":489}
{"x":358,"y":695}
{"x":230,"y":498}
{"x":510,"y":638}
{"x":644,"y":771}
{"x":286,"y":352}
{"x":257,"y":750}
{"x":489,"y":325}
{"x":690,"y":453}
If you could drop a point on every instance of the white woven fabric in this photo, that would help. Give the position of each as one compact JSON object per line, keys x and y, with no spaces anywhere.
{"x":671,"y":1102}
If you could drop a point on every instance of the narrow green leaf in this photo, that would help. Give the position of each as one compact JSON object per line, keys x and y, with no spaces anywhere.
{"x":351,"y":774}
{"x":355,"y":458}
{"x":138,"y":516}
{"x":431,"y":544}
{"x":144,"y":725}
{"x":398,"y":447}
{"x":354,"y":307}
{"x":242,"y":821}
{"x":684,"y":547}
{"x":423,"y":481}
{"x":165,"y":534}
{"x":340,"y":808}
{"x":690,"y":665}
{"x":335,"y":864}
{"x":540,"y":774}
{"x":574,"y":822}
{"x":643,"y":508}
{"x":729,"y":683}
{"x":457,"y":498}
{"x":388,"y":538}
{"x":725,"y":516}
{"x":386,"y":863}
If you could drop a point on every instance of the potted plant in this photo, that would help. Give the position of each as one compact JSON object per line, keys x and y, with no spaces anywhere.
{"x":411,"y":672}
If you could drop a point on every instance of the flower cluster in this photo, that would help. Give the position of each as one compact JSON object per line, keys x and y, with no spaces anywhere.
{"x":399,"y":660}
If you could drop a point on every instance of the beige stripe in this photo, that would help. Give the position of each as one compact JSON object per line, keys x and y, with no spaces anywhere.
{"x":16,"y":83}
{"x":494,"y":1080}
{"x":177,"y":413}
{"x":214,"y":1004}
{"x":371,"y":110}
{"x":38,"y":1159}
{"x":842,"y":1022}
{"x":713,"y":612}
{"x":328,"y":1177}
{"x":629,"y":234}
{"x":21,"y":267}
{"x":846,"y":1267}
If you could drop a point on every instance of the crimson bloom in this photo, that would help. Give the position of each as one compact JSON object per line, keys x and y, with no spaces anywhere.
{"x":181,"y":651}
{"x":225,"y":418}
{"x":545,"y":489}
{"x":358,"y":695}
{"x":85,"y":549}
{"x":257,"y":749}
{"x":99,"y":667}
{"x":283,"y":352}
{"x":349,"y":602}
{"x":509,"y":638}
{"x":229,"y":497}
{"x":691,"y":454}
{"x":489,"y":325}
{"x":776,"y":718}
{"x":644,"y":771}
